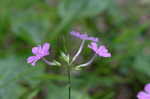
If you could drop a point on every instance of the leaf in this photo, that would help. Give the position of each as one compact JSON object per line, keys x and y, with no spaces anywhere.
{"x":30,"y":26}
{"x":141,"y":63}
{"x":13,"y":90}
{"x":19,"y":4}
{"x":31,"y":94}
{"x":65,"y":57}
{"x":71,"y":10}
{"x":83,"y":8}
{"x":12,"y":72}
{"x":57,"y":92}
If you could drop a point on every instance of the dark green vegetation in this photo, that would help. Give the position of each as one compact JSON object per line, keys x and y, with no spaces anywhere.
{"x":123,"y":26}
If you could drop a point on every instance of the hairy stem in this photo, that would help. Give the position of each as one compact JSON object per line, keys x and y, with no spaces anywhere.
{"x":69,"y":81}
{"x":89,"y":62}
{"x":79,"y":51}
{"x":47,"y":62}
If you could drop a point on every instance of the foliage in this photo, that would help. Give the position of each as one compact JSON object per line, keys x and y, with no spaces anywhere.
{"x":122,"y":25}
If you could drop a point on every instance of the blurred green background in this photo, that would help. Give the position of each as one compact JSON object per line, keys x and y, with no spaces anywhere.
{"x":122,"y":25}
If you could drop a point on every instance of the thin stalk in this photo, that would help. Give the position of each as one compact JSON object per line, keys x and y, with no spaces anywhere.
{"x":69,"y":81}
{"x":89,"y":62}
{"x":48,"y":62}
{"x":78,"y":52}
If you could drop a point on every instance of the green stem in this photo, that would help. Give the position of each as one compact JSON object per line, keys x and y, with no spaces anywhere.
{"x":79,"y":51}
{"x":69,"y":81}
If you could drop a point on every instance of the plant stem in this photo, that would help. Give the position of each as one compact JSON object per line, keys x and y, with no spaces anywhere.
{"x":69,"y":81}
{"x":48,"y":62}
{"x":78,"y":52}
{"x":89,"y":62}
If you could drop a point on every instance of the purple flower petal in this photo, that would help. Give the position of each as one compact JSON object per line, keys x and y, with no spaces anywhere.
{"x":39,"y":52}
{"x":93,"y":46}
{"x":93,"y":39}
{"x":84,"y":36}
{"x":144,"y":94}
{"x":147,"y":88}
{"x":101,"y":50}
{"x":35,"y":50}
{"x":45,"y":48}
{"x":32,"y":60}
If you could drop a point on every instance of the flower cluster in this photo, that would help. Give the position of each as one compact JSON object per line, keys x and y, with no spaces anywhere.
{"x":43,"y":50}
{"x":101,"y":50}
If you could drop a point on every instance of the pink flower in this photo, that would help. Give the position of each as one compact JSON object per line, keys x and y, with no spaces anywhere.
{"x":101,"y":50}
{"x":144,"y":94}
{"x":84,"y":36}
{"x":39,"y":52}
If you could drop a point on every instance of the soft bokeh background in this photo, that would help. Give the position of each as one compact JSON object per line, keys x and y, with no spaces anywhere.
{"x":122,"y":25}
